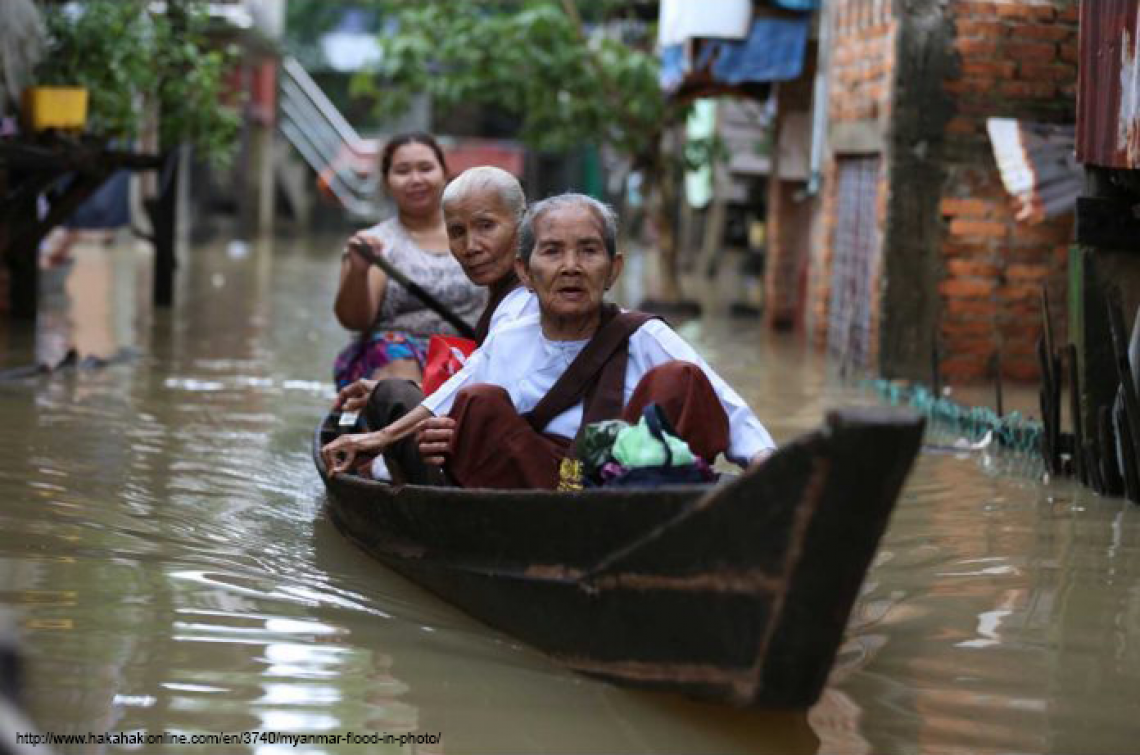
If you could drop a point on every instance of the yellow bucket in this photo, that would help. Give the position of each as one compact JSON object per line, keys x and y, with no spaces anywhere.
{"x":55,"y":107}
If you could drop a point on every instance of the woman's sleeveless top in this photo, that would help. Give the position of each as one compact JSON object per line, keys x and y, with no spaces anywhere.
{"x":439,"y":274}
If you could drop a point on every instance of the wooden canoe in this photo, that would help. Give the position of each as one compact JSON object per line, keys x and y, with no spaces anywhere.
{"x":738,"y":592}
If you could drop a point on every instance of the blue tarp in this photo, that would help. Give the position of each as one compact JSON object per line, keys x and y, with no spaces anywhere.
{"x":774,"y":51}
{"x":803,"y":5}
{"x":108,"y":207}
{"x":674,"y":66}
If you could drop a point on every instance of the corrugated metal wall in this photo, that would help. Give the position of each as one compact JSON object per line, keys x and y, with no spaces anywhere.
{"x":855,"y":251}
{"x":1108,"y":106}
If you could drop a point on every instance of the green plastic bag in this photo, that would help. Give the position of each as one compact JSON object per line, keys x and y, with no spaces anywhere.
{"x":595,"y":443}
{"x":637,"y":447}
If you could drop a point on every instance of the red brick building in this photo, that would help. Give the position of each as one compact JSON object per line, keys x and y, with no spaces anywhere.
{"x":918,"y":254}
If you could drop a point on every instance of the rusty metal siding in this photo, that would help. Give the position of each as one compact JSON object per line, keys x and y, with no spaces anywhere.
{"x":855,"y":253}
{"x":1108,"y":105}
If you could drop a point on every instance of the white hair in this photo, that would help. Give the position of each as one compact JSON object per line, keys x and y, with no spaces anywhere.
{"x":605,"y":215}
{"x":483,"y":178}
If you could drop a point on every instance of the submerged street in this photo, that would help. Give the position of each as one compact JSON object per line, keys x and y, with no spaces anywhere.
{"x":169,"y":566}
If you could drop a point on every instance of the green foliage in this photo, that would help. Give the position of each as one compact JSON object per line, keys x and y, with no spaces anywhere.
{"x":102,"y":47}
{"x":191,"y":84}
{"x":306,"y":21}
{"x":537,"y":61}
{"x":567,"y":74}
{"x":126,"y":54}
{"x":704,"y":151}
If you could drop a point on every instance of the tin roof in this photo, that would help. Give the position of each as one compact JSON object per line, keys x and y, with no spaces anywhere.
{"x":1108,"y":102}
{"x":1037,"y":166}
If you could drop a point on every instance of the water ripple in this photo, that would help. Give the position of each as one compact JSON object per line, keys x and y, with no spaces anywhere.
{"x":164,"y":548}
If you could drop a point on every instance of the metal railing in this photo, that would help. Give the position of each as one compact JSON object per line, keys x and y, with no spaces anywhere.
{"x":326,"y":141}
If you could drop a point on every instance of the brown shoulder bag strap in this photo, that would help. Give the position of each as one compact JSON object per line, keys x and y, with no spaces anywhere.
{"x":605,"y":397}
{"x":584,"y":372}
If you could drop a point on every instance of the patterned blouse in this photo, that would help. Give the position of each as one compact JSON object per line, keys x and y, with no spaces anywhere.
{"x":439,"y":274}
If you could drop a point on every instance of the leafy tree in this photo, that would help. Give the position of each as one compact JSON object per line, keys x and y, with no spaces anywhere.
{"x":123,"y":51}
{"x":191,"y":83}
{"x":128,"y":52}
{"x":571,"y":76}
{"x":103,"y":48}
{"x":306,"y":21}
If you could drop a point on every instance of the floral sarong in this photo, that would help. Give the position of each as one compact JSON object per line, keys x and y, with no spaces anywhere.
{"x":360,"y":359}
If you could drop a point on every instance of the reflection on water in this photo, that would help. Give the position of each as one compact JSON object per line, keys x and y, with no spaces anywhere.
{"x":164,"y":549}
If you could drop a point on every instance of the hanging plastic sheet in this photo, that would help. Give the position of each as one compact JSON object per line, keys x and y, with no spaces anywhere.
{"x":1038,"y":166}
{"x":680,"y":20}
{"x":773,"y":51}
{"x":674,"y":67}
{"x":800,"y":5}
{"x":108,"y":207}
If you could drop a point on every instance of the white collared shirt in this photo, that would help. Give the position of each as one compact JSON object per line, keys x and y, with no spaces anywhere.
{"x":526,"y":364}
{"x":519,"y":303}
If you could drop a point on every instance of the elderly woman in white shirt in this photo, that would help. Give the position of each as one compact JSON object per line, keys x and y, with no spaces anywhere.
{"x":517,"y":403}
{"x":482,"y":210}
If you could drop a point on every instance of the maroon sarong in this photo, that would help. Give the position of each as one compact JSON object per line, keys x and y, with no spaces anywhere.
{"x":495,"y":447}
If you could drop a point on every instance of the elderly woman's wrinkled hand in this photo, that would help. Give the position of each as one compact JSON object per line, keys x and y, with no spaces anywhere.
{"x":340,"y":455}
{"x":354,"y":396}
{"x":435,"y":439}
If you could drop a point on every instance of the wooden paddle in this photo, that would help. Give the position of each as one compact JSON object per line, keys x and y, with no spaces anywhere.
{"x":434,"y":304}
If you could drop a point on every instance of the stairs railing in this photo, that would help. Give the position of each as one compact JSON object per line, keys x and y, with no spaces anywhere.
{"x":326,"y":141}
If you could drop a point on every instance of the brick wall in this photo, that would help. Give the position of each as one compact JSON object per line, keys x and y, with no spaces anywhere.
{"x":1015,"y":58}
{"x":927,"y":83}
{"x":860,"y":93}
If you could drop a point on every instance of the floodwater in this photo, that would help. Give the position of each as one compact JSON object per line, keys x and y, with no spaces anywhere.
{"x":168,"y":564}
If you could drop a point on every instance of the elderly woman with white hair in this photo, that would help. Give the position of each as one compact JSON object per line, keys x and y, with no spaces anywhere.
{"x":482,"y":209}
{"x":520,"y":399}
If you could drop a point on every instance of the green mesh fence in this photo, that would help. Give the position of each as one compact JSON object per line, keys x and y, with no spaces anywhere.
{"x":1013,"y":431}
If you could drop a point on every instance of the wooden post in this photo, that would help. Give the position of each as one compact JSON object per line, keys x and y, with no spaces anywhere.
{"x":1075,"y":409}
{"x":1092,"y":467}
{"x":1051,"y":390}
{"x":1110,"y":470}
{"x":1090,"y":331}
{"x":999,"y":405}
{"x":23,"y":263}
{"x":1128,"y":453}
{"x":1050,"y":409}
{"x":935,"y":368}
{"x":162,"y":211}
{"x":1127,"y":392}
{"x":19,"y":215}
{"x":1043,"y":404}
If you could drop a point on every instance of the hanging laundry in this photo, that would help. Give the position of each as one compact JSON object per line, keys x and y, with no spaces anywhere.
{"x":680,"y":20}
{"x":774,"y":51}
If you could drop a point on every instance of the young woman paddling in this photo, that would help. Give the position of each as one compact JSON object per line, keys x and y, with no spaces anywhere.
{"x":514,"y":407}
{"x":394,"y":325}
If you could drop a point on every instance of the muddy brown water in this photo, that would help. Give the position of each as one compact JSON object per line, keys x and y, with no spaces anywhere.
{"x":166,"y":559}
